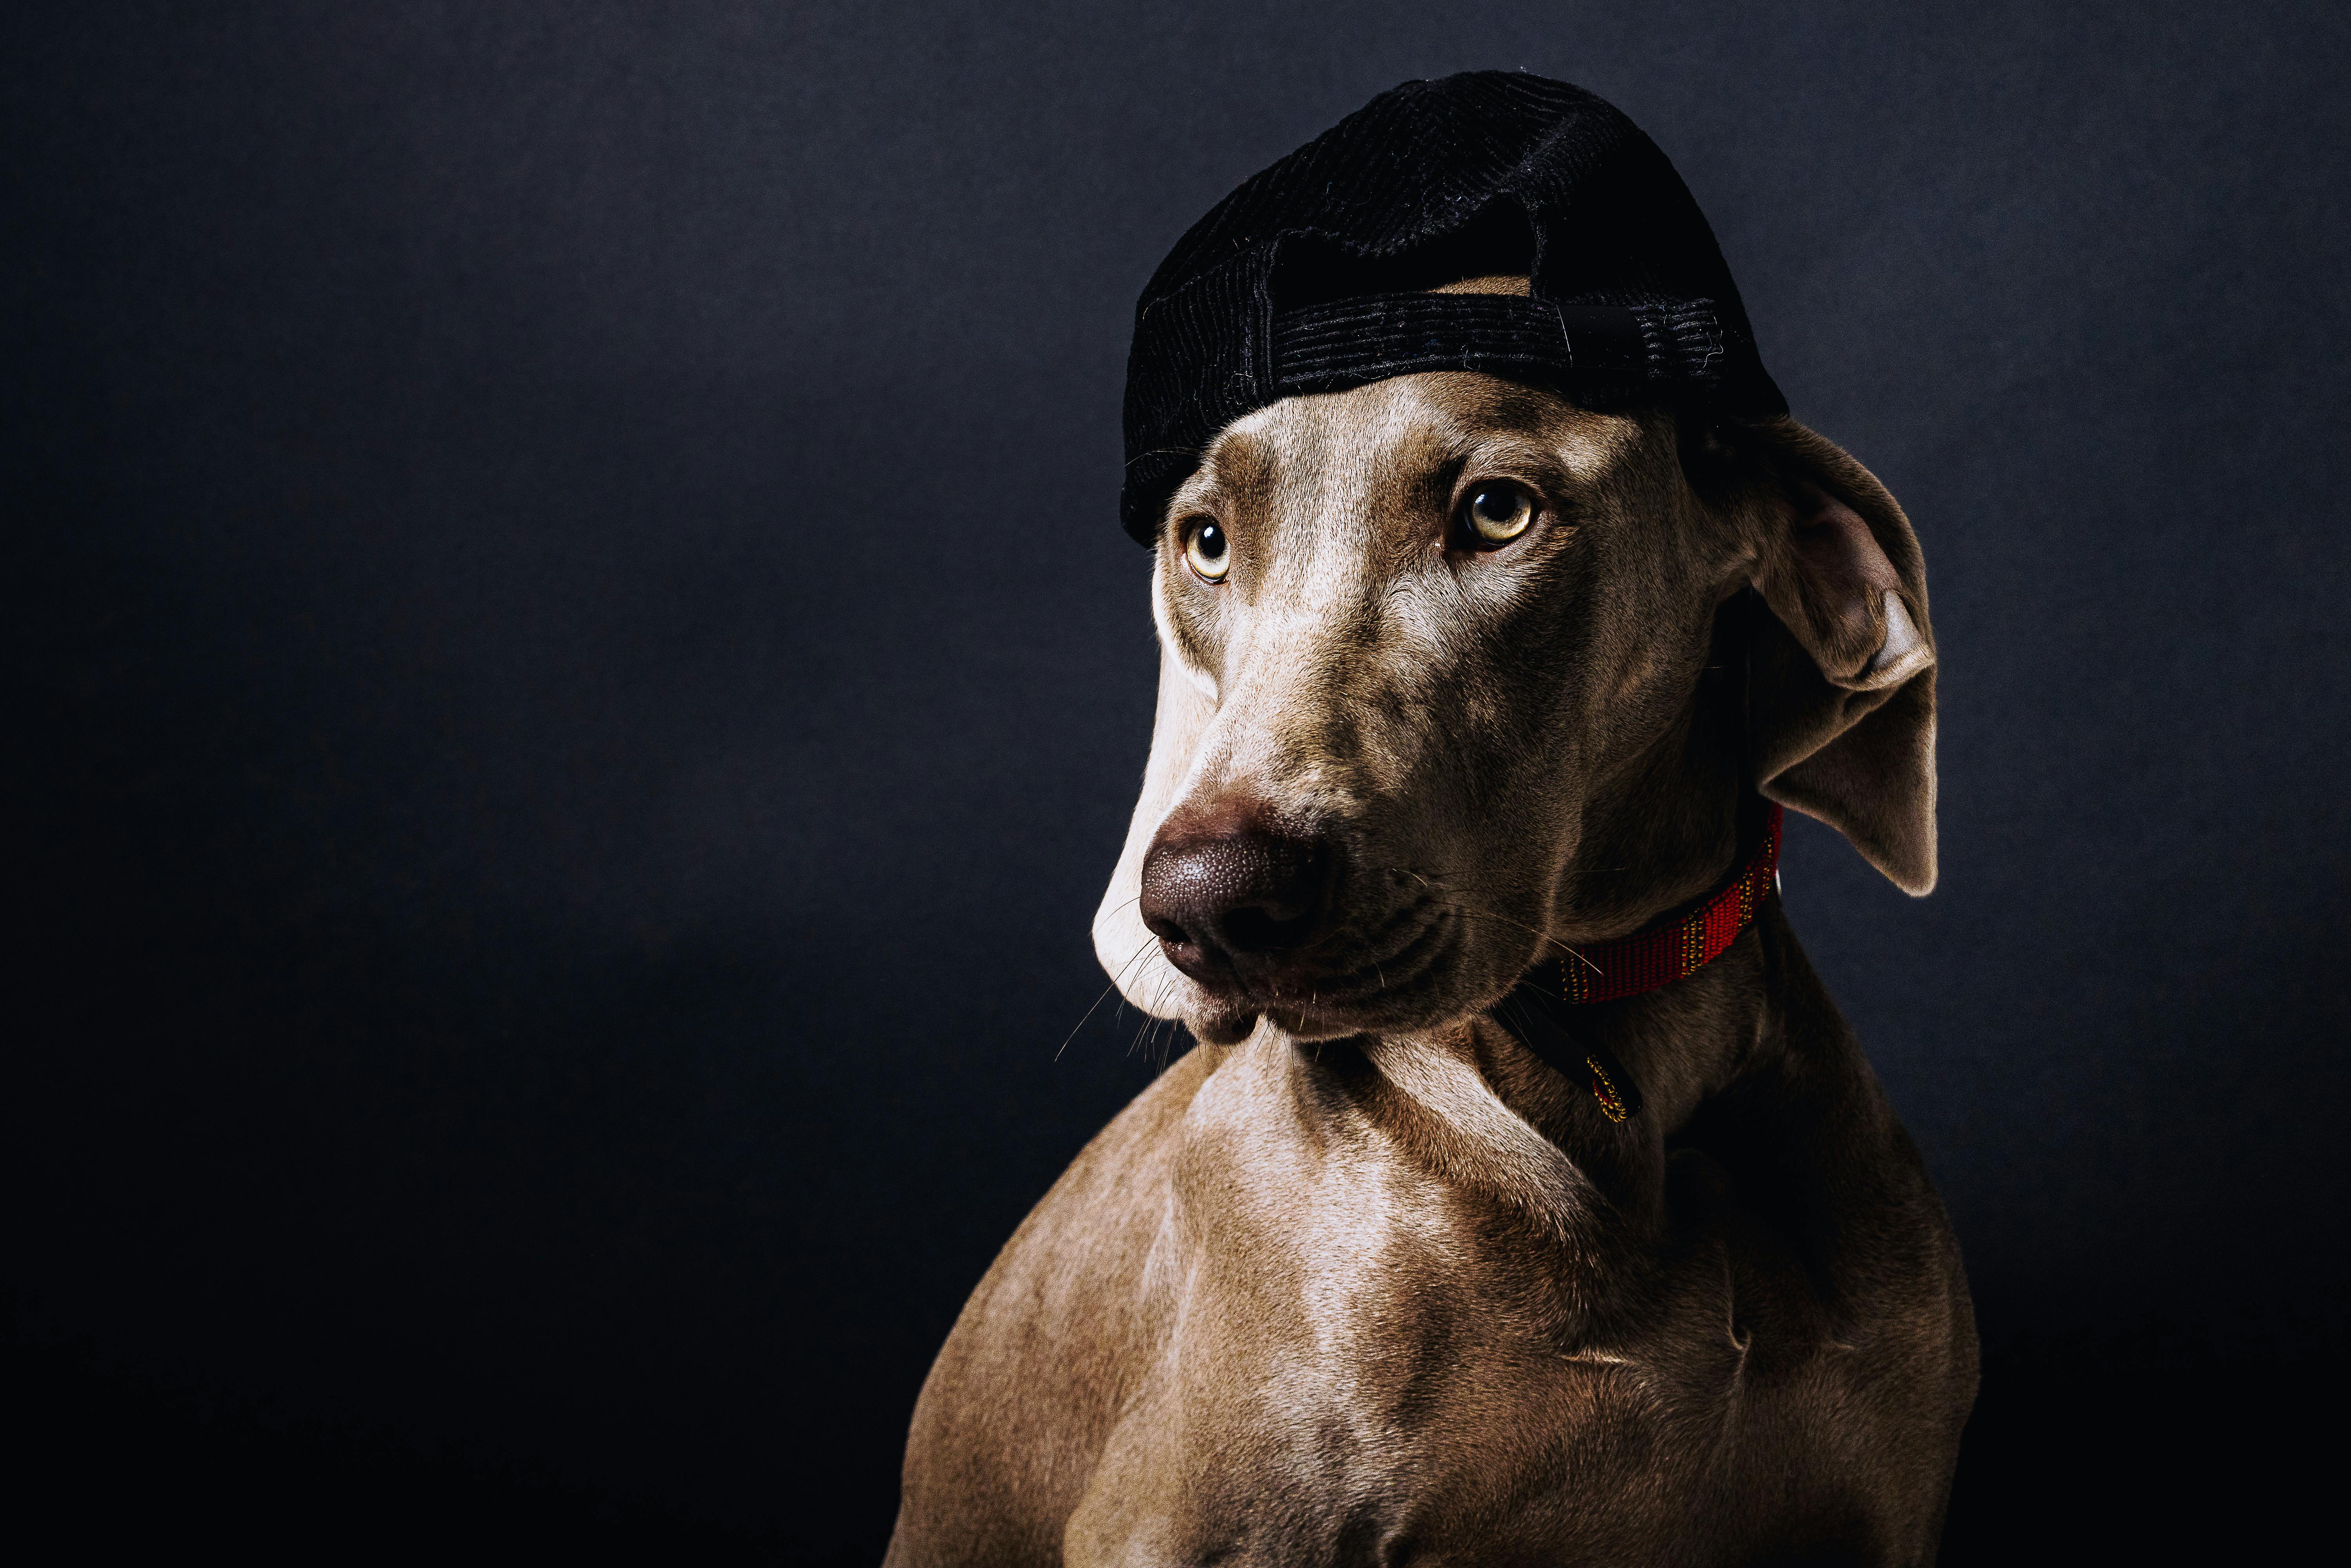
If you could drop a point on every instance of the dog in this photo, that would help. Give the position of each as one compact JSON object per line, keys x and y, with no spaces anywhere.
{"x":1459,"y":679}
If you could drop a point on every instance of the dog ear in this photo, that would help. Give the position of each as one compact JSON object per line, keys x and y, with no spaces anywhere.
{"x":1841,"y":673}
{"x":1124,"y":945}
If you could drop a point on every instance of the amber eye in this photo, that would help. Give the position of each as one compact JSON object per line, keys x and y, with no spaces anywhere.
{"x":1496,"y":512}
{"x":1206,"y":550}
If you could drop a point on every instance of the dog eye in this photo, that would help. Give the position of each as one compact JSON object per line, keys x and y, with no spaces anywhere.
{"x":1495,"y":513}
{"x":1206,"y":550}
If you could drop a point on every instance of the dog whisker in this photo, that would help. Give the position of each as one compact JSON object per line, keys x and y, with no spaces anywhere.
{"x":1151,"y":1022}
{"x":1114,"y":983}
{"x":1158,"y":999}
{"x":1081,"y":1020}
{"x":1106,"y":990}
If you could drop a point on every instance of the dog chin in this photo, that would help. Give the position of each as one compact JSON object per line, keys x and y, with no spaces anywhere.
{"x":1308,"y":1026}
{"x":1222,"y":1029}
{"x":1231,"y":1028}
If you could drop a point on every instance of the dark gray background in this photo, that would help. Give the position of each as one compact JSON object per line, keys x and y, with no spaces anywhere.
{"x":576,"y":682}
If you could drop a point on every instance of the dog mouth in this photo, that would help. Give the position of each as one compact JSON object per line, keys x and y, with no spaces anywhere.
{"x":1388,"y":981}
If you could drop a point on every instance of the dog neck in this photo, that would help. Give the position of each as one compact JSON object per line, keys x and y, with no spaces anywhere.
{"x":1507,"y":1101}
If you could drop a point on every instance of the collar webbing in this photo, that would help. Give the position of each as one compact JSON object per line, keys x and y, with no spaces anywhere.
{"x":1678,"y":947}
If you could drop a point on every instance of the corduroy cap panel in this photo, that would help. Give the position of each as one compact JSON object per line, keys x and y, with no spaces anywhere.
{"x":1312,"y":276}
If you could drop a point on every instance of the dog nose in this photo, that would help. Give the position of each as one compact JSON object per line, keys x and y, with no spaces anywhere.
{"x":1227,"y":887}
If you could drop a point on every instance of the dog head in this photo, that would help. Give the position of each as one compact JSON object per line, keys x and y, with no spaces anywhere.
{"x":1452,"y":668}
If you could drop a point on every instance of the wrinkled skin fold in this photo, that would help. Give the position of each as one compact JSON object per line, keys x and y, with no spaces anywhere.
{"x":1359,"y":1279}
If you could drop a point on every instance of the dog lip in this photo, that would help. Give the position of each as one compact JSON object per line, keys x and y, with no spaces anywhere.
{"x":1329,"y":1006}
{"x":1403,"y":966}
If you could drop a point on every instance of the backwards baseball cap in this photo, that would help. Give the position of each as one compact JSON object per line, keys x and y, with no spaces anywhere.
{"x":1313,"y":277}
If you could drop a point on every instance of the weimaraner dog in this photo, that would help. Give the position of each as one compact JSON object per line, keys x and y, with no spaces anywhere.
{"x":1459,"y":682}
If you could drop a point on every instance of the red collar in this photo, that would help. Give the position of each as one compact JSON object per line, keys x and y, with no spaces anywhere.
{"x":1679,"y":945}
{"x":1666,"y":950}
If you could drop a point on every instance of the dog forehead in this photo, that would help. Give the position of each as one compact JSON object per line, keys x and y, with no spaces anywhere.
{"x":1395,"y":434}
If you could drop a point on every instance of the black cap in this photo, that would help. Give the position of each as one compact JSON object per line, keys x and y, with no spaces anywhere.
{"x":1314,"y":275}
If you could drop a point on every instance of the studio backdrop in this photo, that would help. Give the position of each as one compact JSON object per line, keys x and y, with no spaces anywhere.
{"x":575,"y":681}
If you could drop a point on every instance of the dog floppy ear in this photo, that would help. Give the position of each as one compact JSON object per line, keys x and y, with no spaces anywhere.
{"x":1124,"y":945}
{"x":1841,"y":673}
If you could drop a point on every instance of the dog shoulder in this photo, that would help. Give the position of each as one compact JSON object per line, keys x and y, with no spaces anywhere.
{"x":1030,"y":1381}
